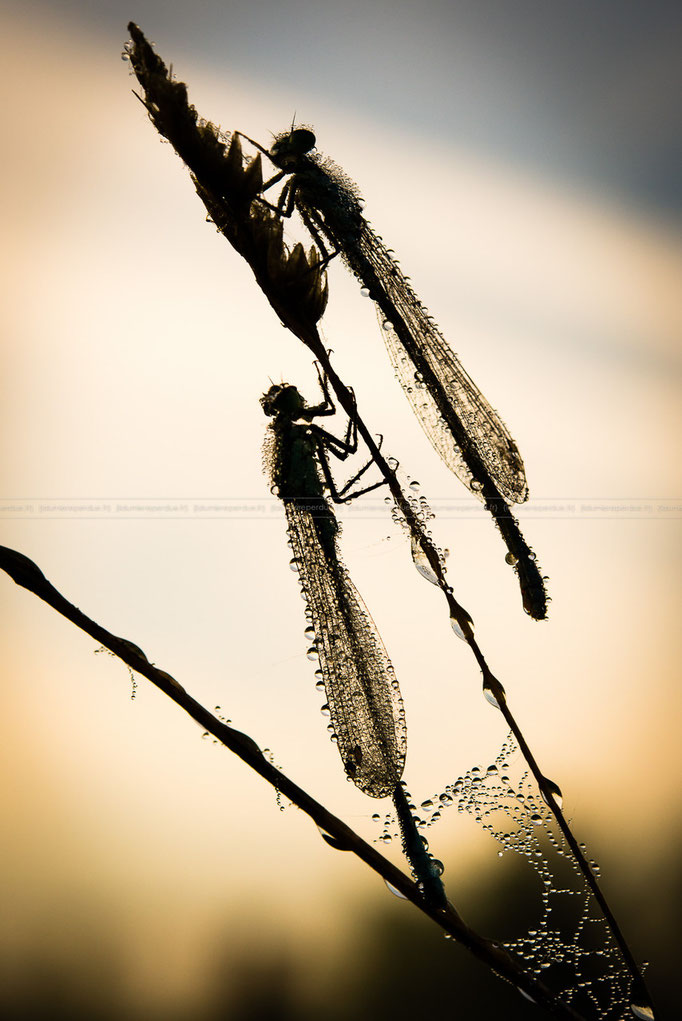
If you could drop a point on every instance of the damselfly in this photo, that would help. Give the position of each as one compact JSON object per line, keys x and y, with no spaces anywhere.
{"x":363,"y":696}
{"x":465,"y":430}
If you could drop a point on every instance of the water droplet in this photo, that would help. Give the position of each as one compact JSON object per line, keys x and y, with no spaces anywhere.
{"x":642,"y":1011}
{"x":536,"y":820}
{"x":312,"y":653}
{"x":421,"y":562}
{"x":476,"y":486}
{"x":511,"y":559}
{"x":392,"y":463}
{"x":437,"y":866}
{"x":364,"y":291}
{"x":134,"y":649}
{"x":489,"y":697}
{"x":427,"y":805}
{"x":414,"y":486}
{"x":335,"y":842}
{"x":387,"y":325}
{"x":458,"y":629}
{"x":525,"y":995}
{"x":555,"y":791}
{"x":392,"y":889}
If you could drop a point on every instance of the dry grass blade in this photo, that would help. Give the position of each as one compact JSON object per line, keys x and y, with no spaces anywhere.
{"x":294,"y":281}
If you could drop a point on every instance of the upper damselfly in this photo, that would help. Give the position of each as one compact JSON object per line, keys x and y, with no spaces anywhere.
{"x":465,"y":430}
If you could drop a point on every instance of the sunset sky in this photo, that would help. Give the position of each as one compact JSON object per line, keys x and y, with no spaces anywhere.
{"x":523,"y":169}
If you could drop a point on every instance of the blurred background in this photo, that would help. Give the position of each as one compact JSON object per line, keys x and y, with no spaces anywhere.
{"x":523,"y":161}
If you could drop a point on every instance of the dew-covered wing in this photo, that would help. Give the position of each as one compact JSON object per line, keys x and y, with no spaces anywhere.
{"x":481,"y":427}
{"x":364,"y":699}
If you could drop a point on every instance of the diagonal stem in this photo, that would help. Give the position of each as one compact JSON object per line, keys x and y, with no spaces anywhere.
{"x":490,"y":683}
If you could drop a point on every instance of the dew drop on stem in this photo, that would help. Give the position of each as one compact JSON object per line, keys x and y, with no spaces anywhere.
{"x":642,"y":1011}
{"x":392,"y":889}
{"x":491,"y":698}
{"x":458,"y":629}
{"x":333,"y":841}
{"x":422,"y":564}
{"x":554,"y":790}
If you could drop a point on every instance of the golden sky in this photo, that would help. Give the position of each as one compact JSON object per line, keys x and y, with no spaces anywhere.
{"x":135,"y":348}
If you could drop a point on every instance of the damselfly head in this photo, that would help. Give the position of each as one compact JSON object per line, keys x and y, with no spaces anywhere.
{"x":282,"y":399}
{"x":288,"y":146}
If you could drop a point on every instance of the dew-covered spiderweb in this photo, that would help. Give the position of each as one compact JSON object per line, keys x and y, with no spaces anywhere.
{"x":569,"y":944}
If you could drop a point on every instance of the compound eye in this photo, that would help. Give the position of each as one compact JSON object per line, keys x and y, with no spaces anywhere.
{"x":302,"y":140}
{"x":270,"y":400}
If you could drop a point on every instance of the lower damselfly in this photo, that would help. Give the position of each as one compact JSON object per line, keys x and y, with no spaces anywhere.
{"x":465,"y":430}
{"x":363,"y":697}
